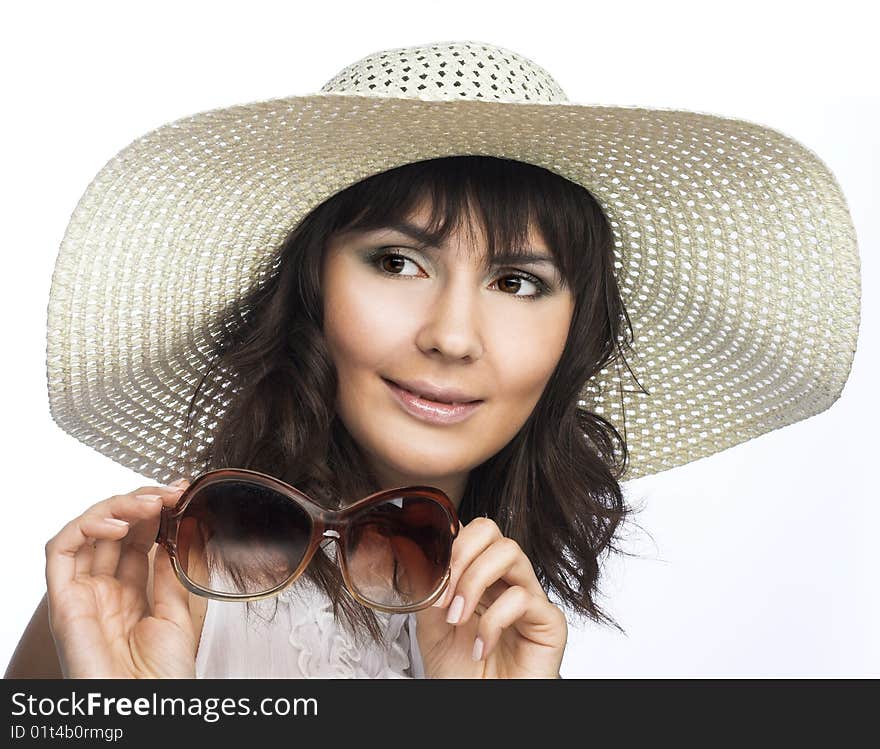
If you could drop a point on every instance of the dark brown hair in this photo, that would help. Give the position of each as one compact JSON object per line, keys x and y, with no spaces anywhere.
{"x":554,"y":488}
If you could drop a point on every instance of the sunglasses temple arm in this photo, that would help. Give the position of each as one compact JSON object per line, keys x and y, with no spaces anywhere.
{"x":162,"y":533}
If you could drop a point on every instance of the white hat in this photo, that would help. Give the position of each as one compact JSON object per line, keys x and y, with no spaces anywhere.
{"x":735,"y":253}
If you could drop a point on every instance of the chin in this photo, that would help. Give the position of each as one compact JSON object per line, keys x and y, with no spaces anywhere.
{"x":425,"y":464}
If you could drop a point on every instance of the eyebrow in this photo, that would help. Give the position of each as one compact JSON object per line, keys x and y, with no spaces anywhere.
{"x":426,"y":241}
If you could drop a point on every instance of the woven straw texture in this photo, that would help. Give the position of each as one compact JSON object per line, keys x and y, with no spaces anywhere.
{"x":736,"y":254}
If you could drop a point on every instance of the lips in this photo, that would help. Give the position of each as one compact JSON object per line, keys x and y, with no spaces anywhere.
{"x":433,"y":393}
{"x":431,"y":411}
{"x":432,"y":400}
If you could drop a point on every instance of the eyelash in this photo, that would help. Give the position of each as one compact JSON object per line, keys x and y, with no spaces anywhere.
{"x":375,"y":257}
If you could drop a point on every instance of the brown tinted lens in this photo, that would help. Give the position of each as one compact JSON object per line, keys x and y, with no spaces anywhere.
{"x":397,"y":552}
{"x":240,"y":537}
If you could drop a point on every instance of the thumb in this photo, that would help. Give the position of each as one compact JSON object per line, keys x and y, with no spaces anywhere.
{"x":170,"y":598}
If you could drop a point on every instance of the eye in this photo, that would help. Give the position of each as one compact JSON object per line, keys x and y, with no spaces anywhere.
{"x":519,"y":278}
{"x":393,"y":263}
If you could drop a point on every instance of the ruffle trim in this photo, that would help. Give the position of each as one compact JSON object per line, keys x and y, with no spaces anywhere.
{"x":324,"y":648}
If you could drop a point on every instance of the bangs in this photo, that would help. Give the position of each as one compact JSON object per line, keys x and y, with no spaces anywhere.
{"x":503,"y":197}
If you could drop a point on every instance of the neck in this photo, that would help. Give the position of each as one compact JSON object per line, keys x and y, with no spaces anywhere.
{"x":452,"y":485}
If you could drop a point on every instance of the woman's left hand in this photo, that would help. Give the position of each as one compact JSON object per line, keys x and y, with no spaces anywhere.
{"x":523,"y":634}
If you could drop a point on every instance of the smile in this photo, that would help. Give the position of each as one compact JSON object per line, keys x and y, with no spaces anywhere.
{"x":428,"y":410}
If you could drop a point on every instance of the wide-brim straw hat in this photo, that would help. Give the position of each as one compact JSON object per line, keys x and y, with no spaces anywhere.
{"x":735,"y":252}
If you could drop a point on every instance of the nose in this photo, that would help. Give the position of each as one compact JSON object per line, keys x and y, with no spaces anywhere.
{"x":452,"y":324}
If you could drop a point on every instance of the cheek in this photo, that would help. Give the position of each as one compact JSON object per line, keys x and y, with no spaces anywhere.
{"x":524,"y":367}
{"x":358,"y":326}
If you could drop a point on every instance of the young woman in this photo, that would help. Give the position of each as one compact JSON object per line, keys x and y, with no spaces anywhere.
{"x":409,"y":278}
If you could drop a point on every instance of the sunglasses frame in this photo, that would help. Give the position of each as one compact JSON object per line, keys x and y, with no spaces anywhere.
{"x":323,"y":521}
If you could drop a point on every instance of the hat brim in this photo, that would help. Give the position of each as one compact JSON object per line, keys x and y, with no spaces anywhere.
{"x":736,"y":259}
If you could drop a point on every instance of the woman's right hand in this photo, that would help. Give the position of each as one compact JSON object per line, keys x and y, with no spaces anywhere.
{"x":97,"y":573}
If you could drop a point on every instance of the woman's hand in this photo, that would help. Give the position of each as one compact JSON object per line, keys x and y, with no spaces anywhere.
{"x":97,"y":572}
{"x":523,"y":634}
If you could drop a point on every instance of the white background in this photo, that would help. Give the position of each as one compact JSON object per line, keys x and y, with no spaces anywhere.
{"x":760,"y":561}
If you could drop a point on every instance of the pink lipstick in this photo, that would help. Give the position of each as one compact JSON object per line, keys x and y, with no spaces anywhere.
{"x":430,"y":411}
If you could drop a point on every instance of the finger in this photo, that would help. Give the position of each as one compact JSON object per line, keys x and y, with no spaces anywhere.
{"x":502,"y":561}
{"x":106,"y":556}
{"x":141,"y":534}
{"x":170,"y":598}
{"x":134,"y":565}
{"x":84,"y":556}
{"x":536,"y":618}
{"x":61,"y":550}
{"x":142,"y":513}
{"x":106,"y":507}
{"x":472,"y":540}
{"x":70,"y":551}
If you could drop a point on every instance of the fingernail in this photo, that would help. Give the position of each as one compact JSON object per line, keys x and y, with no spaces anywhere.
{"x":478,"y":649}
{"x":455,"y":610}
{"x":116,"y":521}
{"x":149,"y":498}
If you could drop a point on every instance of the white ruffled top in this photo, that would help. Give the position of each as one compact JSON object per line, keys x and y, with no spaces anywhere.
{"x":303,"y":640}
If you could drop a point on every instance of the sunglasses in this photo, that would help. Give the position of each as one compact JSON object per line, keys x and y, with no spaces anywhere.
{"x":241,"y":535}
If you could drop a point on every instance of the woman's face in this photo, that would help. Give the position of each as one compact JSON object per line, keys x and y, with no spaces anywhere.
{"x":395,"y":312}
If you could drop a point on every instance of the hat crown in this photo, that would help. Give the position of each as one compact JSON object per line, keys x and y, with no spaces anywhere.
{"x":448,"y":71}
